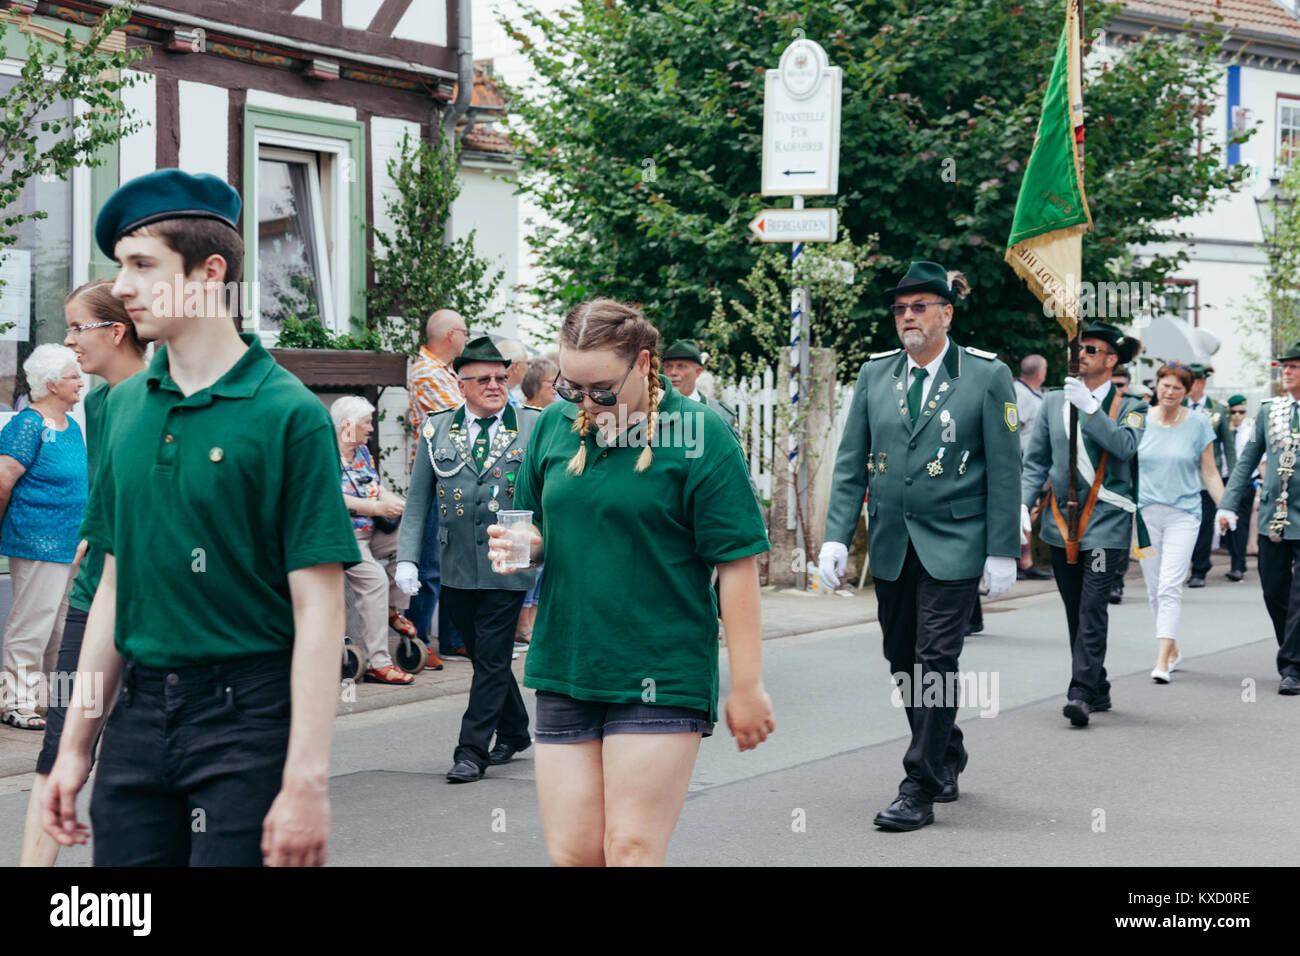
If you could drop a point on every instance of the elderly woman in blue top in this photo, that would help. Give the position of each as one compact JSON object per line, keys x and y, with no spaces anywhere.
{"x":43,"y":488}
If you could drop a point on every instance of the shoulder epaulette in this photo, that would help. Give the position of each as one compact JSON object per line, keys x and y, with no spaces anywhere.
{"x":442,"y":411}
{"x":981,"y":353}
{"x":1266,"y":401}
{"x":533,"y":407}
{"x":731,"y":411}
{"x":879,"y":355}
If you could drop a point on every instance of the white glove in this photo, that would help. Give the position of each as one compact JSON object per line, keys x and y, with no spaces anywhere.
{"x":1080,"y":396}
{"x":999,"y":574}
{"x":831,"y":563}
{"x":407,"y":578}
{"x":1229,"y":516}
{"x":1026,"y":526}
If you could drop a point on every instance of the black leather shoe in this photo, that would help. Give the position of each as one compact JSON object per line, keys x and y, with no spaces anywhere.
{"x":1235,"y":575}
{"x":504,"y":753}
{"x":1101,"y":703}
{"x":1116,"y":595}
{"x":465,"y":771}
{"x":949,"y":793}
{"x":1290,"y":687}
{"x":907,"y":812}
{"x":1196,"y":581}
{"x":1035,"y":574}
{"x":1077,"y":711}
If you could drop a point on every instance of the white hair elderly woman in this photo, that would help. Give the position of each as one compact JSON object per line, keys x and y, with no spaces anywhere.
{"x":43,"y":489}
{"x":367,"y":582}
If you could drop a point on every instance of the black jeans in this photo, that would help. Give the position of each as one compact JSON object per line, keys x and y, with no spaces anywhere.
{"x":924,"y":621}
{"x":1085,"y":591}
{"x":74,"y":629}
{"x":1237,"y":539}
{"x":190,"y":764}
{"x":1281,"y":584}
{"x":1201,"y":553}
{"x":486,"y":621}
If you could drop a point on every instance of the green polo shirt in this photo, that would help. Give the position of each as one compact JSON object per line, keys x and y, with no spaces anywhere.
{"x":626,"y":613}
{"x":92,"y":565}
{"x":207,"y":502}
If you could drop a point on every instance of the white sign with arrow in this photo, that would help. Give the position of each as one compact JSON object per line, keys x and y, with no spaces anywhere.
{"x":795,"y":225}
{"x":801,"y":124}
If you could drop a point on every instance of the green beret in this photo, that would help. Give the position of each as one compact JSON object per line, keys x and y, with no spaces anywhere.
{"x":1237,"y":400}
{"x":1292,"y":353}
{"x":923,"y":277}
{"x":164,"y":194}
{"x":1201,"y":371}
{"x":1125,"y":346}
{"x":684,"y":349}
{"x":482,"y":349}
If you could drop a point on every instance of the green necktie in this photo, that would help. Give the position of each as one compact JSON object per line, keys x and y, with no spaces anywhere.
{"x":1295,"y":418}
{"x":481,"y":442}
{"x":914,"y":393}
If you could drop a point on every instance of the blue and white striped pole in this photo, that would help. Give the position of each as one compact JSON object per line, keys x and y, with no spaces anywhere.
{"x":796,"y":356}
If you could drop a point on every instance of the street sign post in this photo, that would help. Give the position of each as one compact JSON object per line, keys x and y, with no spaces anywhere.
{"x":801,"y":124}
{"x":795,"y":225}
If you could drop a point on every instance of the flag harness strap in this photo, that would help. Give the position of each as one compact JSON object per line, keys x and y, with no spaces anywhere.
{"x":1072,"y":547}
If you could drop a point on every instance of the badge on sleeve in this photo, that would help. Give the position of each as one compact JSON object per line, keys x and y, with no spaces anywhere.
{"x":1133,"y":419}
{"x":1011,"y":416}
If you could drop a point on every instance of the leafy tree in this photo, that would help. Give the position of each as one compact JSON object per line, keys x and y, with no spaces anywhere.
{"x":643,"y":142}
{"x":419,"y":269}
{"x":1272,"y":313}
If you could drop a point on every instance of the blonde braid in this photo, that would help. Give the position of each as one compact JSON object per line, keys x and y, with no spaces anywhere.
{"x":581,"y":425}
{"x":647,"y":454}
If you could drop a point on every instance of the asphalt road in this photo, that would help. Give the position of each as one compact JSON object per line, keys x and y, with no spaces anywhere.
{"x":1196,"y":773}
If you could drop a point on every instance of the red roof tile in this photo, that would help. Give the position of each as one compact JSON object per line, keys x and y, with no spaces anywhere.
{"x":1258,"y":16}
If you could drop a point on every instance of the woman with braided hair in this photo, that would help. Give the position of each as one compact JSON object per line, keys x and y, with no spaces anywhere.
{"x":637,"y":493}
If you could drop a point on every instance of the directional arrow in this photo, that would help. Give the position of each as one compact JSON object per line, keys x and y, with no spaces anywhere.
{"x":800,"y":172}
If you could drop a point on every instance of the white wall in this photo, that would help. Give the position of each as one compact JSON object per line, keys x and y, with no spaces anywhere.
{"x":385,"y":144}
{"x":204,"y":129}
{"x":488,"y":203}
{"x":137,"y":153}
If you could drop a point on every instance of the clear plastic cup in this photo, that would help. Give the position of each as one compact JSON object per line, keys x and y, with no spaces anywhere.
{"x":519,"y":528}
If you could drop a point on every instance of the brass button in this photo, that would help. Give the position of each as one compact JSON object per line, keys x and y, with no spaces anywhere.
{"x":216,"y":454}
{"x":168,"y":439}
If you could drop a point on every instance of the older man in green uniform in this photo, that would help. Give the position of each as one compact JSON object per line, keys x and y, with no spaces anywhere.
{"x":1225,"y":459}
{"x":683,"y":363}
{"x":1277,"y":434}
{"x":466,"y":465}
{"x":933,"y":431}
{"x":1110,"y":429}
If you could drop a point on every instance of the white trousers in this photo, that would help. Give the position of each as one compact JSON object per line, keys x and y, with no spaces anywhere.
{"x":369,"y":592}
{"x":1173,"y":535}
{"x":33,"y":631}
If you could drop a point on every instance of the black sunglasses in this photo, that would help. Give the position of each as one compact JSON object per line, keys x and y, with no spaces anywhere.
{"x":918,"y":308}
{"x":1094,"y":349}
{"x":601,"y":396}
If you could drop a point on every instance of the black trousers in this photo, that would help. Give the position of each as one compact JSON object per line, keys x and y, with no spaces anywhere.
{"x":191,"y":761}
{"x":74,"y":629}
{"x":1201,"y":553}
{"x":1279,"y":576}
{"x":924,"y":621}
{"x":1085,"y":591}
{"x":1238,"y":539}
{"x":486,"y":621}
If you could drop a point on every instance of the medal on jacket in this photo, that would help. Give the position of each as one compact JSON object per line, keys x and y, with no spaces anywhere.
{"x":880,"y":468}
{"x":871,"y":464}
{"x":493,"y":506}
{"x":935,"y":468}
{"x":1285,"y":442}
{"x":961,"y":469}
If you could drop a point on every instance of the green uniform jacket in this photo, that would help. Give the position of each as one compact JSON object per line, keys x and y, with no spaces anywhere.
{"x":722,"y":408}
{"x":948,"y":505}
{"x":1225,"y":448}
{"x":1049,"y":453}
{"x":1271,"y":485}
{"x":444,"y":477}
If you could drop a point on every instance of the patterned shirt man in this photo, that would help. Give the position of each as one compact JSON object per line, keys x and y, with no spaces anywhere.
{"x":432,"y":388}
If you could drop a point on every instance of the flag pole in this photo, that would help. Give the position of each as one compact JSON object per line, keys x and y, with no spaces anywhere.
{"x":1072,"y":498}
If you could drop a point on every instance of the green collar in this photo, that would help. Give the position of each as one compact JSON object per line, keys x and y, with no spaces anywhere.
{"x":241,"y":381}
{"x":951,"y":361}
{"x":508,"y":418}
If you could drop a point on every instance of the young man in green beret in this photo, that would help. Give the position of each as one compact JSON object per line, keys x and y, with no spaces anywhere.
{"x":1242,"y":430}
{"x":218,"y":621}
{"x":1110,"y":429}
{"x":1277,"y":434}
{"x":683,"y":363}
{"x":1225,"y":457}
{"x":933,"y":431}
{"x":466,"y":465}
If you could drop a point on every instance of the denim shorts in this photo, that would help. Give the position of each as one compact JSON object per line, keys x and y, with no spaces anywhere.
{"x":565,"y":720}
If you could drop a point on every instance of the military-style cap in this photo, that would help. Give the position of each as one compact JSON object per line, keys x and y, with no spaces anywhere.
{"x":1125,"y":346}
{"x":164,"y":194}
{"x":1201,"y":371}
{"x":1292,"y":353}
{"x":923,"y":277}
{"x":684,"y":349}
{"x":482,"y":349}
{"x":1236,"y":400}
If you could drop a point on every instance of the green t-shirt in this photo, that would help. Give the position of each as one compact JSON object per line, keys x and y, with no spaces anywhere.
{"x":92,"y":565}
{"x":626,"y":613}
{"x":207,"y":502}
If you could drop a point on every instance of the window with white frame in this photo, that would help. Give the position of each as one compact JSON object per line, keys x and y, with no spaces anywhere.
{"x":292,"y":250}
{"x":1288,"y":129}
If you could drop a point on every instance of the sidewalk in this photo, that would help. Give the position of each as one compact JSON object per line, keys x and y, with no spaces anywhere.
{"x":786,"y":613}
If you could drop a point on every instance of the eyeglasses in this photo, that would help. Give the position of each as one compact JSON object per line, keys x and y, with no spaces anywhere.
{"x":918,"y":308}
{"x":1094,"y":349}
{"x":482,"y":381}
{"x":78,"y":329}
{"x":1236,"y":411}
{"x":601,"y":396}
